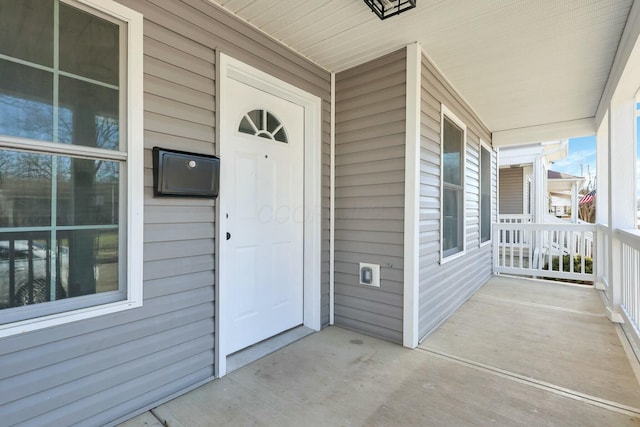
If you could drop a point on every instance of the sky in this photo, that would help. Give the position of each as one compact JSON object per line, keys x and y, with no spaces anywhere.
{"x":581,"y":160}
{"x":582,"y":151}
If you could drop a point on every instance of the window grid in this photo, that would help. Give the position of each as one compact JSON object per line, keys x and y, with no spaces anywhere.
{"x":265,"y":119}
{"x":452,"y":183}
{"x":485,"y":194}
{"x":54,"y":149}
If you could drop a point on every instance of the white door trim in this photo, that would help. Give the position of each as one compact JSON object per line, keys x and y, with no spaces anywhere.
{"x":230,"y":68}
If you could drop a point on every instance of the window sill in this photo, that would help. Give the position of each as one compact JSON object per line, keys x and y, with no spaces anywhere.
{"x":444,"y":260}
{"x":483,"y":244}
{"x":58,"y":319}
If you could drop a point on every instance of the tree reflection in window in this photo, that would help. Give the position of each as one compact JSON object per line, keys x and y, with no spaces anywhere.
{"x":264,"y":124}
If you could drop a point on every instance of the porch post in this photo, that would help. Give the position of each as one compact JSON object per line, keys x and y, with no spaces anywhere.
{"x":603,"y":268}
{"x":574,"y":203}
{"x":622,"y":198}
{"x":540,"y":201}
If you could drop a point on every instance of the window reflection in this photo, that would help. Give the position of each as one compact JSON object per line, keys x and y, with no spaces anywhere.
{"x":36,"y":269}
{"x":451,"y":207}
{"x":453,"y":190}
{"x":25,"y":189}
{"x":90,"y":115}
{"x":485,"y":194}
{"x":60,"y":231}
{"x":90,"y":46}
{"x":25,"y":270}
{"x":263,"y":124}
{"x":88,"y":192}
{"x":452,"y":146}
{"x":47,"y":261}
{"x":26,"y":101}
{"x":26,"y":30}
{"x":91,"y":261}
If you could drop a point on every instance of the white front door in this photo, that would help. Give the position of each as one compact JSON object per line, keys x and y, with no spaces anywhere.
{"x":262,"y":216}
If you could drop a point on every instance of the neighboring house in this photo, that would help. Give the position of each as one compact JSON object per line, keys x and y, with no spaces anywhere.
{"x":563,"y":194}
{"x":559,"y":205}
{"x":334,"y":152}
{"x":529,"y":189}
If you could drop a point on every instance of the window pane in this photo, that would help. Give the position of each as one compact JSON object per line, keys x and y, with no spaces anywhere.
{"x":89,"y":45}
{"x":88,"y":192}
{"x":485,"y":195}
{"x":26,"y":101}
{"x":281,"y":136}
{"x":25,"y":189}
{"x":25,"y":269}
{"x":26,"y":30}
{"x":272,"y":122}
{"x":88,"y":114}
{"x":41,"y":266}
{"x":256,"y":117}
{"x":452,"y":137}
{"x":452,"y":221}
{"x":90,"y":263}
{"x":35,"y":269}
{"x":246,"y":126}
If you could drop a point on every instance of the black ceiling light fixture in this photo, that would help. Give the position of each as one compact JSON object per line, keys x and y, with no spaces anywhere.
{"x":387,"y":8}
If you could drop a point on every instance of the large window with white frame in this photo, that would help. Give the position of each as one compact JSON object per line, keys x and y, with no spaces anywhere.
{"x":453,"y":136}
{"x":69,"y":152}
{"x":485,"y":194}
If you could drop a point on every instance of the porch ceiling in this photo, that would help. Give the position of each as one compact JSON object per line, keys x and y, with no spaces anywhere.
{"x":518,"y":63}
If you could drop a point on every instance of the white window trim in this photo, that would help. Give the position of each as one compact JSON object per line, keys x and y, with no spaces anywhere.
{"x":134,"y":179}
{"x":444,"y":111}
{"x":487,"y":147}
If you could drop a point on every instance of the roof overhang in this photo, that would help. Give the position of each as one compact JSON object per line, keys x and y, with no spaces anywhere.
{"x":564,"y":185}
{"x":550,"y":151}
{"x":532,"y":71}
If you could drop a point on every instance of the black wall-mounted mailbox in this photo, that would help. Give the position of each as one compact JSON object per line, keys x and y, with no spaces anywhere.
{"x":181,"y":174}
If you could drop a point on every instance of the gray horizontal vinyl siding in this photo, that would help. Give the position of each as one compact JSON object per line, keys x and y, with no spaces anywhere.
{"x":511,"y":190}
{"x":444,"y":287}
{"x":97,"y":371}
{"x":369,"y":204}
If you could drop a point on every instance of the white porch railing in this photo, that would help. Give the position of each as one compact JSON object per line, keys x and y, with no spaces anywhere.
{"x":562,"y":251}
{"x":630,"y":263}
{"x":515,"y":218}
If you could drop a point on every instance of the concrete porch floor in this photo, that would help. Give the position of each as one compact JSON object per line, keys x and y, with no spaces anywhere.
{"x":518,"y":353}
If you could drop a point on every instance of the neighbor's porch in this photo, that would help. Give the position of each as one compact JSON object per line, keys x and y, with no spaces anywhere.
{"x":519,"y":352}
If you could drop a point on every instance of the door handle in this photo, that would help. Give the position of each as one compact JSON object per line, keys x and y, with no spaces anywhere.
{"x":228,"y":236}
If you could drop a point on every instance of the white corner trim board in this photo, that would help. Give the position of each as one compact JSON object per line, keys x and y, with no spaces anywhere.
{"x":412,"y":198}
{"x":332,"y":203}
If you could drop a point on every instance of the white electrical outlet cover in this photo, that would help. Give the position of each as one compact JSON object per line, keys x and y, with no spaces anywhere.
{"x":375,"y":274}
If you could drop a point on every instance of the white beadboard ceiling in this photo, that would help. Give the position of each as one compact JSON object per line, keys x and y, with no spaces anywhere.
{"x":518,"y":63}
